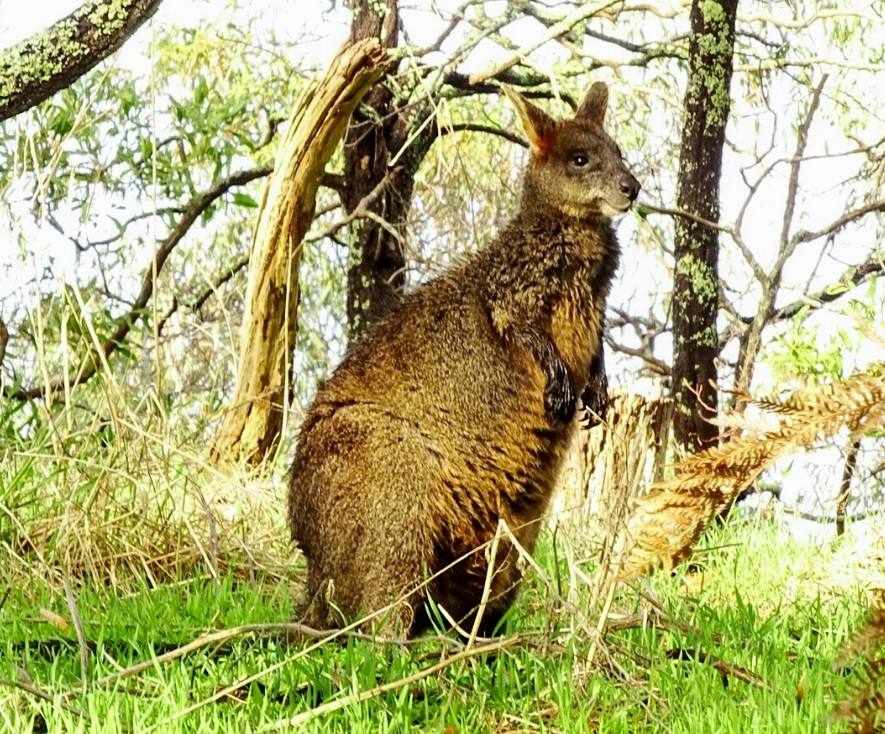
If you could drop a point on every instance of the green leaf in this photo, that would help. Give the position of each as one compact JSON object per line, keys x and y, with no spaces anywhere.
{"x":241,"y":199}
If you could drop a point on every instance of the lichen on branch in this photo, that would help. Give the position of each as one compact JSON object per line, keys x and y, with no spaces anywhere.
{"x":53,"y":59}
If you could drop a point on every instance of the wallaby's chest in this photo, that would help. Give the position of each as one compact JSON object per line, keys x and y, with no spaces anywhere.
{"x":576,"y":324}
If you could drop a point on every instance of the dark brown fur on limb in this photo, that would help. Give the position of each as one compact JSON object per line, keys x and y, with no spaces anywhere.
{"x":450,"y":416}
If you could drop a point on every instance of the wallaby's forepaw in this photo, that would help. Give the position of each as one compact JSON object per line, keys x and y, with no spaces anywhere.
{"x":594,"y":400}
{"x":560,"y":400}
{"x":594,"y":406}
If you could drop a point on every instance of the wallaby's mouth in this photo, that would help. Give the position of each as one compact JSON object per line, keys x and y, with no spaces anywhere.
{"x":611,"y":208}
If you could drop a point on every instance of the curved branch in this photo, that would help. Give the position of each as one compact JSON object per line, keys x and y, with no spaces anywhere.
{"x":787,"y":246}
{"x":477,"y":128}
{"x":214,"y":286}
{"x":849,"y":280}
{"x":806,"y":236}
{"x":47,"y":62}
{"x":554,"y":31}
{"x":658,"y":366}
{"x":192,"y":211}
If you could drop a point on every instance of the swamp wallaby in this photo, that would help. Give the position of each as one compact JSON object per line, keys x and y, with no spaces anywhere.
{"x":452,"y":413}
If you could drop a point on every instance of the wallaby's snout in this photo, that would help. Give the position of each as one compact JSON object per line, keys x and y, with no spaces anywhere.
{"x":629,"y":186}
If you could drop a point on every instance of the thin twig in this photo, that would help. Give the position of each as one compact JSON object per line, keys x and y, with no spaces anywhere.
{"x":225,"y":635}
{"x":360,"y":696}
{"x":486,"y":588}
{"x":42,"y":695}
{"x":725,"y":669}
{"x":553,"y":32}
{"x":793,"y":186}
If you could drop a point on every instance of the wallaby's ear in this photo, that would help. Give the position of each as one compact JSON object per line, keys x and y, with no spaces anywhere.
{"x":539,"y":126}
{"x":595,"y":103}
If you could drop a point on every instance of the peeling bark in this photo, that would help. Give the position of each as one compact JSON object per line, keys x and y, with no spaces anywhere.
{"x":253,"y":422}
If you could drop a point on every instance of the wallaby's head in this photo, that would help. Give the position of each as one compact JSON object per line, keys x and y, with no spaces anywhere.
{"x":575,"y":167}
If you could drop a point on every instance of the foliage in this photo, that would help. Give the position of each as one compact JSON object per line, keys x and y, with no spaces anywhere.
{"x":105,"y":486}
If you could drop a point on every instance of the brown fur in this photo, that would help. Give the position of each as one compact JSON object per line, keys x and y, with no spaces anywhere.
{"x":452,"y":413}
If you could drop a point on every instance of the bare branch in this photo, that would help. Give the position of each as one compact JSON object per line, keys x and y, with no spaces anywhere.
{"x":734,"y":233}
{"x":656,"y":365}
{"x":194,"y":209}
{"x":197,"y":304}
{"x":851,"y":278}
{"x":793,"y":186}
{"x":474,"y":127}
{"x":802,"y":23}
{"x":360,"y":211}
{"x":554,"y":31}
{"x":806,"y":236}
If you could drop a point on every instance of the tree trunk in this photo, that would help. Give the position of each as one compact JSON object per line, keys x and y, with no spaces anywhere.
{"x":252,"y":424}
{"x":4,"y":340}
{"x":54,"y":59}
{"x":696,"y":279}
{"x":376,"y":133}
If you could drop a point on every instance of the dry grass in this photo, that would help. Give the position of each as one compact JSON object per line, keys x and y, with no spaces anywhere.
{"x":667,"y":522}
{"x":141,"y":509}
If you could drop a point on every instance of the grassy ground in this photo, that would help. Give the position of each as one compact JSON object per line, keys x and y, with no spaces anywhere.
{"x":151,"y":556}
{"x":728,"y":659}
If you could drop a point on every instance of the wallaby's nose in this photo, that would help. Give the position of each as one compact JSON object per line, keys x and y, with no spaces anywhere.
{"x":629,"y":187}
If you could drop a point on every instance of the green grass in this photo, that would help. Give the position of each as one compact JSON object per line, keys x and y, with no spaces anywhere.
{"x":540,"y":685}
{"x":160,"y":550}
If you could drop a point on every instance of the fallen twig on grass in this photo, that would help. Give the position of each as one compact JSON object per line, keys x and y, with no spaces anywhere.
{"x":42,"y":695}
{"x":226,"y":635}
{"x":360,"y":696}
{"x":724,"y":668}
{"x":78,"y":628}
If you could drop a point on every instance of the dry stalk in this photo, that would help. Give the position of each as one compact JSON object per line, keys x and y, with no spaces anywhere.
{"x":864,"y":710}
{"x":78,"y":627}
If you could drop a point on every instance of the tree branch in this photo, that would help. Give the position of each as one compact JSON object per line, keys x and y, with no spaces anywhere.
{"x":192,"y":211}
{"x":47,"y":62}
{"x":656,"y":365}
{"x":197,"y":304}
{"x":806,"y":236}
{"x":787,"y":245}
{"x":733,"y":233}
{"x":477,"y":128}
{"x":553,"y":32}
{"x":851,"y":278}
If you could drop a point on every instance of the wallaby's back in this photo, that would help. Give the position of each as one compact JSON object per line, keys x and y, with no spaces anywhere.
{"x":452,"y":413}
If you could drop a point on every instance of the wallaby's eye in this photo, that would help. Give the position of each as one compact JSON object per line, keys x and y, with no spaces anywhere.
{"x":580,"y":160}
